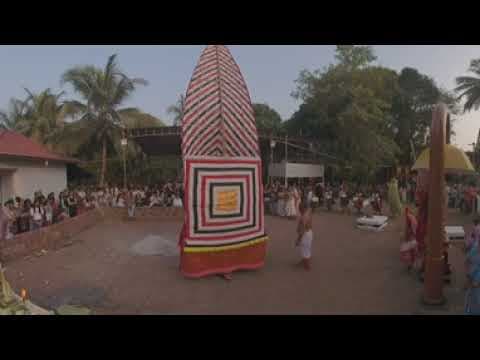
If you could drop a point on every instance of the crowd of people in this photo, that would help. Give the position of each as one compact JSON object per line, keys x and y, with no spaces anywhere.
{"x":462,"y":197}
{"x":24,"y":215}
{"x":348,"y":198}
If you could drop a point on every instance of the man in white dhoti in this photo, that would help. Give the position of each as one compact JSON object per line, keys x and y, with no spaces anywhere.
{"x":305,"y":236}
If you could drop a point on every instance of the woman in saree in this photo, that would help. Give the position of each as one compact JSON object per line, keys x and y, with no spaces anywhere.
{"x":394,"y":198}
{"x":281,"y":202}
{"x":291,"y":209}
{"x":297,"y":199}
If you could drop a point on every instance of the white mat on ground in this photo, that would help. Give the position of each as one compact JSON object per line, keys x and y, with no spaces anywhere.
{"x":154,"y":245}
{"x":455,"y":233}
{"x":374,"y":223}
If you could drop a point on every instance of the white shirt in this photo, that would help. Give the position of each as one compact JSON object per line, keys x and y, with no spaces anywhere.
{"x":49,"y":213}
{"x":310,"y":196}
{"x":177,"y":203}
{"x":36,"y":213}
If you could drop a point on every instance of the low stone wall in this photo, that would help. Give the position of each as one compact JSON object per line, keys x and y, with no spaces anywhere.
{"x":57,"y":236}
{"x":145,"y":214}
{"x":53,"y":237}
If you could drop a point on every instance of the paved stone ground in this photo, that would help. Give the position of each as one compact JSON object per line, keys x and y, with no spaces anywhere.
{"x":354,"y":272}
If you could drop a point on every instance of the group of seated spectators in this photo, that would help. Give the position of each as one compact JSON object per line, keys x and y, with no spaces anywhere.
{"x":24,"y":215}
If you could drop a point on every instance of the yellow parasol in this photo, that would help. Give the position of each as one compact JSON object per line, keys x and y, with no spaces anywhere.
{"x":455,"y":161}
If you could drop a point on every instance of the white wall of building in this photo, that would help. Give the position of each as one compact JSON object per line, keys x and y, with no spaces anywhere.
{"x":6,"y":186}
{"x":30,"y":176}
{"x":292,"y":170}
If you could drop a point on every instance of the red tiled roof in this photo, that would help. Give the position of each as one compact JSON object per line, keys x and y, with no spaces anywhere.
{"x":14,"y":144}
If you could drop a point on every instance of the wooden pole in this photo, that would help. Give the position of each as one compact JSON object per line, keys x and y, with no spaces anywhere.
{"x":434,"y":272}
{"x":286,"y":161}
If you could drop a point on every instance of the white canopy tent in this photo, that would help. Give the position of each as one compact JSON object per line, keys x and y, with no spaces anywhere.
{"x":287,"y":171}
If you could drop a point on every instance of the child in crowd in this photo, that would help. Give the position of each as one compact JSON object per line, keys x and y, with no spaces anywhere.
{"x":48,"y":212}
{"x":37,"y":213}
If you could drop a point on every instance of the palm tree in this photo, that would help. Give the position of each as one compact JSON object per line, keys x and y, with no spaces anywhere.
{"x":469,"y":87}
{"x":104,"y":91}
{"x":14,"y":118}
{"x":40,"y":116}
{"x":177,"y":111}
{"x":45,"y":117}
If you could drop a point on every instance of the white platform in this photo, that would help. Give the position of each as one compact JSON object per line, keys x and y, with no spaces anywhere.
{"x":455,"y":233}
{"x":375,"y":223}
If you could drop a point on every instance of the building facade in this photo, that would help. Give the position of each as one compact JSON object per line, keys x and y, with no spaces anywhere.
{"x":26,"y":167}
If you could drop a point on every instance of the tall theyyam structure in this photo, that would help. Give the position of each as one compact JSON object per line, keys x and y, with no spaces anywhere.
{"x":224,"y":229}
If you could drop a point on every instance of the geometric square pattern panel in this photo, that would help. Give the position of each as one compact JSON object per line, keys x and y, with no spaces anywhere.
{"x":223,"y":201}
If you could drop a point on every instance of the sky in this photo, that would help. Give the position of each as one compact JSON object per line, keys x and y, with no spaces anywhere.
{"x":269,"y":70}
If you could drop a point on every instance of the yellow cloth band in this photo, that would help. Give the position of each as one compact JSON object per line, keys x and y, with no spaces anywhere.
{"x":224,"y":248}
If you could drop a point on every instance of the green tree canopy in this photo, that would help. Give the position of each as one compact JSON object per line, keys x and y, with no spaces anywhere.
{"x":268,"y":120}
{"x":347,"y":107}
{"x":412,"y":111}
{"x":353,"y":57}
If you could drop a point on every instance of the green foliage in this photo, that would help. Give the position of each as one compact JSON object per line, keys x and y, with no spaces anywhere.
{"x":468,"y":87}
{"x":177,"y":111}
{"x":268,"y":120}
{"x":104,"y":91}
{"x":348,"y":108}
{"x":14,"y":117}
{"x":353,"y":57}
{"x":370,"y":116}
{"x":40,"y":116}
{"x":412,"y":111}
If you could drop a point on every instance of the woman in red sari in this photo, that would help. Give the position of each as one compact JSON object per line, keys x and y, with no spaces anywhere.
{"x":409,"y":247}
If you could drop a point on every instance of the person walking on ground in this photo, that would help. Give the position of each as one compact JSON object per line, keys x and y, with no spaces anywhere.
{"x":305,"y":236}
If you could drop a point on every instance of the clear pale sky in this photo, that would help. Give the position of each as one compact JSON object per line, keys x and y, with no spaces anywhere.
{"x":270,"y":71}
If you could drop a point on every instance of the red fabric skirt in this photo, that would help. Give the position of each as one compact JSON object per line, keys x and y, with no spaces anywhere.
{"x":198,"y":265}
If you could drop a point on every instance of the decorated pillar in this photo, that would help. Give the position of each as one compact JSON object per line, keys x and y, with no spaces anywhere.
{"x":224,"y":229}
{"x":436,"y":237}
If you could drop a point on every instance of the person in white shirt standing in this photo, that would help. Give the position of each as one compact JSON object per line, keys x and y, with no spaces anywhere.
{"x":305,"y":236}
{"x":177,"y":201}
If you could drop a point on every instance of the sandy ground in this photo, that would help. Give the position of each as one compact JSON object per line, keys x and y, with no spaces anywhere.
{"x":354,"y":272}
